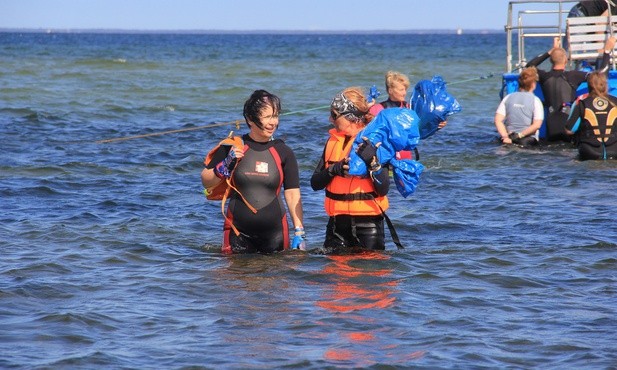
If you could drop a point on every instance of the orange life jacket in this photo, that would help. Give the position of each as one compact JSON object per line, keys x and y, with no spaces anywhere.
{"x":221,"y":190}
{"x":349,"y":195}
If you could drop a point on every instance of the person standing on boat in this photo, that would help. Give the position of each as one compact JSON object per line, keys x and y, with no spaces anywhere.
{"x":559,"y":86}
{"x":593,"y":118}
{"x":256,"y":220}
{"x":519,"y":116}
{"x":592,"y":8}
{"x":355,"y":204}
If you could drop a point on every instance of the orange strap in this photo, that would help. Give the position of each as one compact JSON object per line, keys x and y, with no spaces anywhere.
{"x":230,"y":186}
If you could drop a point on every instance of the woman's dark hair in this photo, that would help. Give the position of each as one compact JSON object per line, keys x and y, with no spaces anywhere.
{"x":256,"y":103}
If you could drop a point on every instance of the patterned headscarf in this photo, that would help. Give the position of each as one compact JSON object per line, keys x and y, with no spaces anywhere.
{"x":345,"y":107}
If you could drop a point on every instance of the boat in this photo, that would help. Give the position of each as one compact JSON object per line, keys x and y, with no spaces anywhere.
{"x":547,"y":19}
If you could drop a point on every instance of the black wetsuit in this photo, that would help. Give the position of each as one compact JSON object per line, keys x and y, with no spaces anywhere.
{"x":591,"y":8}
{"x":259,"y":176}
{"x":594,"y":120}
{"x":559,"y":88}
{"x":394,"y":104}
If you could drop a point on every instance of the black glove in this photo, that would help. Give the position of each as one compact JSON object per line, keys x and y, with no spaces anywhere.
{"x":338,"y":168}
{"x":515,"y":137}
{"x":226,"y":166}
{"x":368,"y":152}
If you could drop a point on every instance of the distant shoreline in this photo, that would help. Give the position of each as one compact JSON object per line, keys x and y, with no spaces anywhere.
{"x":236,"y":32}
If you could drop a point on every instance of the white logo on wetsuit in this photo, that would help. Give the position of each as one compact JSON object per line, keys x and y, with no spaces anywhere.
{"x":600,"y":104}
{"x":261,"y":167}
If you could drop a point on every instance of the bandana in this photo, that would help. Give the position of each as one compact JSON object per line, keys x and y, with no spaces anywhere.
{"x":345,"y":107}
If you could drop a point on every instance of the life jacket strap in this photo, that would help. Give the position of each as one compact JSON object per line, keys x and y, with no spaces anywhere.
{"x":368,"y":196}
{"x":350,"y":197}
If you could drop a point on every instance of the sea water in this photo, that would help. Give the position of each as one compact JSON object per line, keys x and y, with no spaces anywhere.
{"x":111,"y":254}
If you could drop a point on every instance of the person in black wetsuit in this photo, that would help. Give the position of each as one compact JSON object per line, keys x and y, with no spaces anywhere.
{"x":594,"y":119}
{"x":591,"y":8}
{"x":559,"y":86}
{"x":258,"y":171}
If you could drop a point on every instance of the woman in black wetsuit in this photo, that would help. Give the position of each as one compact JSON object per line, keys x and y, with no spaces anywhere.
{"x":593,"y":118}
{"x":259,"y":171}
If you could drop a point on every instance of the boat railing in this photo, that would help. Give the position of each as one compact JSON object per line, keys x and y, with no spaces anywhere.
{"x":533,"y":19}
{"x":587,"y":35}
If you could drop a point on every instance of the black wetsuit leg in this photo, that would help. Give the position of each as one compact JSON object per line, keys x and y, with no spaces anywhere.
{"x":589,"y":152}
{"x":346,"y":233}
{"x":611,"y":151}
{"x":255,"y":244}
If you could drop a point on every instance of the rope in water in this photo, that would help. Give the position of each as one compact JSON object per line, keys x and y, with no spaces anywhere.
{"x":484,"y":77}
{"x":237,"y":122}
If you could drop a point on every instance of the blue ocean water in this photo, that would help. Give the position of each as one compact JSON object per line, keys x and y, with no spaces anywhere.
{"x":110,"y":253}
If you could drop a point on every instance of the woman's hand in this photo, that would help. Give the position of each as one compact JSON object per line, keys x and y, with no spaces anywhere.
{"x":368,"y":152}
{"x":340,"y":168}
{"x":224,"y":168}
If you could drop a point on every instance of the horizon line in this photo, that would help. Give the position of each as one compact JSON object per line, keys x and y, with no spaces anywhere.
{"x":458,"y":31}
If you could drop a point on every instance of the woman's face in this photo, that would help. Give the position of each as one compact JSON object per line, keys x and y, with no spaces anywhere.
{"x":397,"y":91}
{"x":343,"y":125}
{"x":269,"y":123}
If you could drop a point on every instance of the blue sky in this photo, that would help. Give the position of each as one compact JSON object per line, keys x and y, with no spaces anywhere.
{"x":249,"y":15}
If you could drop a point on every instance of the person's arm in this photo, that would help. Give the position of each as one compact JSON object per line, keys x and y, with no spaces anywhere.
{"x":544,"y":56}
{"x":294,"y":204}
{"x":208,"y":178}
{"x":538,"y":60}
{"x":381,"y":181}
{"x":501,"y":128}
{"x":574,"y":120}
{"x":321,"y":177}
{"x":221,"y":165}
{"x":500,"y":116}
{"x":603,"y":61}
{"x":535,"y":126}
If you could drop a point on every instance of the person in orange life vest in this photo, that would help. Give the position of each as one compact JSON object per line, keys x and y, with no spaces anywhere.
{"x":593,"y":117}
{"x":355,"y":204}
{"x":397,"y":85}
{"x":258,"y":171}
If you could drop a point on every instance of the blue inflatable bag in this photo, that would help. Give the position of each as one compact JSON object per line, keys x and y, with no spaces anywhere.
{"x":433,"y":104}
{"x":395,"y":128}
{"x":406,"y":175}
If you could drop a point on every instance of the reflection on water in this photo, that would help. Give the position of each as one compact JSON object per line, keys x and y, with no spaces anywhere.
{"x":357,"y":288}
{"x":349,"y":291}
